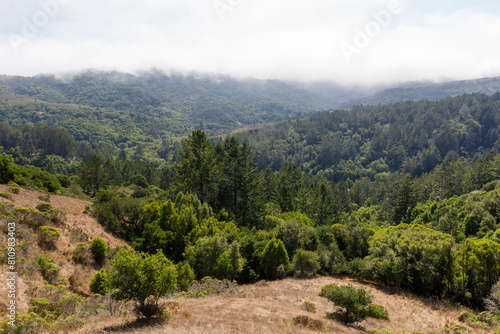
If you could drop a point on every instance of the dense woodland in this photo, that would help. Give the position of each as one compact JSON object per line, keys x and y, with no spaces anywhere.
{"x":407,"y":194}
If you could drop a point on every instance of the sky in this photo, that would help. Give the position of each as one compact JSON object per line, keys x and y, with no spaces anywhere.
{"x":362,"y":42}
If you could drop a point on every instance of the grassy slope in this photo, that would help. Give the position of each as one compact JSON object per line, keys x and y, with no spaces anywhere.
{"x":269,"y":307}
{"x":78,"y":276}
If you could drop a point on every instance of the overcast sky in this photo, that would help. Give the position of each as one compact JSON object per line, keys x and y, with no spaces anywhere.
{"x":351,"y":42}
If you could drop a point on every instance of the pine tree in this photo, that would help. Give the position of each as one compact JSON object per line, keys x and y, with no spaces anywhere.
{"x":193,"y":172}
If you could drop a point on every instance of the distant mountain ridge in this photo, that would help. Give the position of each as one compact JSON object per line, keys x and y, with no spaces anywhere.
{"x":429,"y":91}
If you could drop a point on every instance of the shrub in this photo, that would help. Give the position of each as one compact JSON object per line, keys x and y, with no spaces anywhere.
{"x":81,"y":253}
{"x":305,"y":321}
{"x":44,"y":207}
{"x":305,"y":263}
{"x":209,"y":286}
{"x":48,"y":269}
{"x":354,"y":304}
{"x":49,"y":236}
{"x":99,"y":284}
{"x":44,"y":198}
{"x":14,"y":187}
{"x":6,"y":196}
{"x":309,"y":306}
{"x":99,"y":249}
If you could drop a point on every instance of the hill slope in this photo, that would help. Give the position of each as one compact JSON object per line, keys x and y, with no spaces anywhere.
{"x":423,"y":91}
{"x":218,"y":102}
{"x":76,"y":228}
{"x":269,"y":307}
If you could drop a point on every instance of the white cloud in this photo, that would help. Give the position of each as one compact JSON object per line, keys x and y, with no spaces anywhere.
{"x":279,"y":39}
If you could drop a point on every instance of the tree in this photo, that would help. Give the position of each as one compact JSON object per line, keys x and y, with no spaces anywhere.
{"x":99,"y":250}
{"x":354,"y":304}
{"x":93,"y":175}
{"x":406,"y":199}
{"x":193,"y":172}
{"x":273,"y":256}
{"x":142,"y":278}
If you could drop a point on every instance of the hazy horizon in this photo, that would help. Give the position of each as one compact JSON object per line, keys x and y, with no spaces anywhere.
{"x":370,"y":42}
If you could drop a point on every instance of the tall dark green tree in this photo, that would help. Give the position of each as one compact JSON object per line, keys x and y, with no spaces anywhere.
{"x":405,"y":201}
{"x":195,"y":170}
{"x":93,"y":175}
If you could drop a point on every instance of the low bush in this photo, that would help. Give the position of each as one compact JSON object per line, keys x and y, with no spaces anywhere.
{"x":7,"y":196}
{"x":14,"y":187}
{"x":49,"y":236}
{"x":81,"y":253}
{"x":309,"y":306}
{"x":305,"y":321}
{"x":44,"y":207}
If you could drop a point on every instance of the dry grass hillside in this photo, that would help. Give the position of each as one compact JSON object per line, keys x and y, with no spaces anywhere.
{"x":269,"y":307}
{"x":76,"y":227}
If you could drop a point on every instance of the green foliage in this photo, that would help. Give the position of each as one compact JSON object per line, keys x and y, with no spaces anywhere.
{"x":99,"y":250}
{"x":305,"y":263}
{"x":48,"y":269}
{"x":143,"y":278}
{"x":13,"y":187}
{"x":477,"y":269}
{"x":212,"y":256}
{"x":49,"y":236}
{"x":11,"y":172}
{"x":6,"y":196}
{"x":413,"y":256}
{"x":185,"y":276}
{"x":100,"y":283}
{"x":194,"y":172}
{"x":354,"y":304}
{"x":42,"y":180}
{"x":273,"y":256}
{"x":93,"y":176}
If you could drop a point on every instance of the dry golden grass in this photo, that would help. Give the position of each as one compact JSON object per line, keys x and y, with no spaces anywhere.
{"x":269,"y":307}
{"x":78,"y":276}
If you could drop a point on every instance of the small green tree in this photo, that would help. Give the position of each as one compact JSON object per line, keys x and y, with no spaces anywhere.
{"x":305,"y":263}
{"x":273,"y":256}
{"x":100,"y":283}
{"x":143,"y":278}
{"x":354,"y":304}
{"x":99,"y":250}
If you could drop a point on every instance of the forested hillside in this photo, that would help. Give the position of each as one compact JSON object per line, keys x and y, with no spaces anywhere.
{"x":428,"y":91}
{"x":170,"y":103}
{"x":408,"y":137}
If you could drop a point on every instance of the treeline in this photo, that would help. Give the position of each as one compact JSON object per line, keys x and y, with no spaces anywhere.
{"x":407,"y":137}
